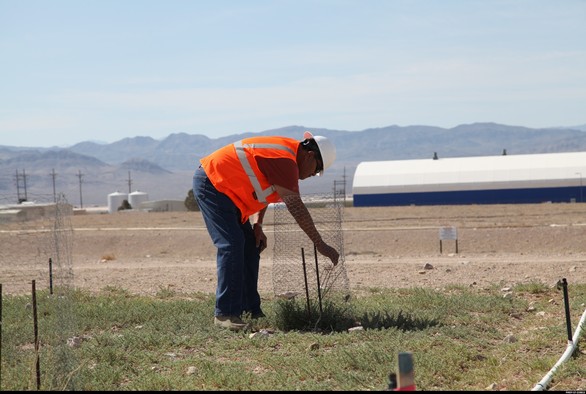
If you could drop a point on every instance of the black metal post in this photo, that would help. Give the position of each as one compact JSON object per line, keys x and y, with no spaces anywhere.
{"x":50,"y":275}
{"x":306,"y":287}
{"x":36,"y":330}
{"x":318,"y":284}
{"x":567,"y":307}
{"x":0,"y":336}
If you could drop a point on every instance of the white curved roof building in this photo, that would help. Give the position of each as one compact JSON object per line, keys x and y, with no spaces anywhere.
{"x":506,"y":179}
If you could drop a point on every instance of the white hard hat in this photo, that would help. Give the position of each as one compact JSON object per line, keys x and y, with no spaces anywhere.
{"x":327,"y":149}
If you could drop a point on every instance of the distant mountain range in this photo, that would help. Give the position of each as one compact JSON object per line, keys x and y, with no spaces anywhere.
{"x":87,"y":172}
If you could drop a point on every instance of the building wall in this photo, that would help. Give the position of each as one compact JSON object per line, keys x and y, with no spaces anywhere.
{"x":507,"y":179}
{"x":163,"y":206}
{"x":31,"y":211}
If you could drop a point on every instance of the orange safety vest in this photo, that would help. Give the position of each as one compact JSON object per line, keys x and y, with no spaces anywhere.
{"x":233,"y":170}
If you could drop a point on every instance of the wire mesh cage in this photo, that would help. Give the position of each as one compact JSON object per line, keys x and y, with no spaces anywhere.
{"x":297,"y":266}
{"x":37,"y":244}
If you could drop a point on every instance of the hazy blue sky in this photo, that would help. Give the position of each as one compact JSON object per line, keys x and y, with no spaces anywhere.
{"x":75,"y":70}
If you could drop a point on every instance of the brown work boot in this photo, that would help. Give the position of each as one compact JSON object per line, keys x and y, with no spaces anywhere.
{"x":233,"y":323}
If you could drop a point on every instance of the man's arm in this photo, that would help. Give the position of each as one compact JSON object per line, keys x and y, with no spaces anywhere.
{"x":303,"y":218}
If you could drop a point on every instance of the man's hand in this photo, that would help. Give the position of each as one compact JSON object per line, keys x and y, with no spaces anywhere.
{"x":329,"y":252}
{"x":261,"y":238}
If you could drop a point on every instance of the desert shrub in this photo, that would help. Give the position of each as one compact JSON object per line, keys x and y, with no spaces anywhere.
{"x":191,"y":202}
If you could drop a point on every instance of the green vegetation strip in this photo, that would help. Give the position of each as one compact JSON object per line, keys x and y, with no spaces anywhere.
{"x":461,"y":339}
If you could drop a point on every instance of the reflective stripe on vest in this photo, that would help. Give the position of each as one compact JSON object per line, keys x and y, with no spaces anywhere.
{"x":260,"y":193}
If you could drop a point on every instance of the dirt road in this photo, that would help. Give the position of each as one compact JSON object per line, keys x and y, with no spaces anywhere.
{"x":145,"y":252}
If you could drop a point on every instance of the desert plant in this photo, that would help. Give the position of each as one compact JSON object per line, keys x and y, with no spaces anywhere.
{"x":168,"y":342}
{"x":190,"y":201}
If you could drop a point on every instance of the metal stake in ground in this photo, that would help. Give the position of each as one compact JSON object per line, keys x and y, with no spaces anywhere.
{"x":0,"y":336}
{"x":50,"y":275}
{"x":318,"y":284}
{"x":306,"y":288}
{"x":564,"y":284}
{"x":36,"y":329}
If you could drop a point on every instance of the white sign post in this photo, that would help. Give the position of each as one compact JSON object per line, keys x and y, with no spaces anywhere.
{"x":448,"y":233}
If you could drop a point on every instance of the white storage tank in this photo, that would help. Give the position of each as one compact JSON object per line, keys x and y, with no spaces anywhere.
{"x":137,"y":197}
{"x":115,"y":200}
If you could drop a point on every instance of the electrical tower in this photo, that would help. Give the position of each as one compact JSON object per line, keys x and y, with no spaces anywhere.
{"x":18,"y":179}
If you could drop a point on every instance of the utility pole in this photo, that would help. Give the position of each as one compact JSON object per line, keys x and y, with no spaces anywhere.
{"x":18,"y":187}
{"x":343,"y":188}
{"x":24,"y":181}
{"x":129,"y":183}
{"x":344,"y":178}
{"x":54,"y":175}
{"x":80,"y":175}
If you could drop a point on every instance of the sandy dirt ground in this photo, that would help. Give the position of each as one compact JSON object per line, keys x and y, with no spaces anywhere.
{"x":145,"y":252}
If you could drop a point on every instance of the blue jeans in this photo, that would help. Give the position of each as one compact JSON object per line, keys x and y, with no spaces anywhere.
{"x":237,"y":256}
